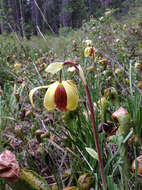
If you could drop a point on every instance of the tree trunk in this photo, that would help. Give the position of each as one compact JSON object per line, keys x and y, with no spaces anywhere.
{"x":34,"y":15}
{"x":66,"y":14}
{"x":50,"y":12}
{"x":22,"y":17}
{"x":16,"y":12}
{"x":1,"y":20}
{"x":105,"y":3}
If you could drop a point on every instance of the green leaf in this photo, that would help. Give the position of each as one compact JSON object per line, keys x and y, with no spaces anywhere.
{"x":92,"y":153}
{"x":54,"y":67}
{"x":82,"y":75}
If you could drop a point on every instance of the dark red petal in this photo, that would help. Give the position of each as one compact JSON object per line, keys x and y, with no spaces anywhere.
{"x":91,"y":51}
{"x":61,"y":98}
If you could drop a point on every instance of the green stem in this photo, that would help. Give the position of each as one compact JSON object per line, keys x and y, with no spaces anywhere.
{"x":60,"y":76}
{"x":130,"y":78}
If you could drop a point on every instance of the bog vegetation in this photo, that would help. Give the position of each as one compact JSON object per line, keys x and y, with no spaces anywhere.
{"x":54,"y":146}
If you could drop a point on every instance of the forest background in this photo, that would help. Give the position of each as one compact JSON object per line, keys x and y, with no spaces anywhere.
{"x":27,"y":17}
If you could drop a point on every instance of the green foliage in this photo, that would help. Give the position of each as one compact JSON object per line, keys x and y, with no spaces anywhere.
{"x":30,"y":180}
{"x":61,"y":156}
{"x":23,"y":17}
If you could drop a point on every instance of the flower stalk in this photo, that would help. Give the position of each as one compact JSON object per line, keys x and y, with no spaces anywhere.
{"x":93,"y":123}
{"x":60,"y":76}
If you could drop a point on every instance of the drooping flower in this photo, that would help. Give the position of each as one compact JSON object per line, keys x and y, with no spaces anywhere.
{"x":62,"y":95}
{"x":89,"y":51}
